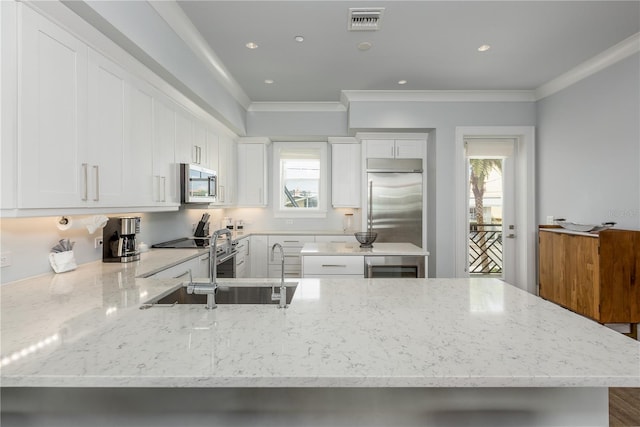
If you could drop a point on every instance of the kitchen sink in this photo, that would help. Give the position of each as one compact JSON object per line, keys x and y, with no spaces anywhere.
{"x":226,"y":294}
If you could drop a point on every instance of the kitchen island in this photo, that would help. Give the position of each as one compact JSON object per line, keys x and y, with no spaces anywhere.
{"x":350,"y":260}
{"x":346,"y":352}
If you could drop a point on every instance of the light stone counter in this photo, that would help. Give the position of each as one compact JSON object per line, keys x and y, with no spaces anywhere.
{"x":380,"y":249}
{"x":84,"y":329}
{"x":347,"y":352}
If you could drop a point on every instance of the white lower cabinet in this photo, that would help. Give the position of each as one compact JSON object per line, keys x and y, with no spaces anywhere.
{"x":333,"y":266}
{"x":258,"y":256}
{"x":243,"y":267}
{"x":291,"y":245}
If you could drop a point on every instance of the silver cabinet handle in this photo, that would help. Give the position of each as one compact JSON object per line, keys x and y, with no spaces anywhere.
{"x":156,"y":188}
{"x":334,"y":265}
{"x":85,"y":175}
{"x":96,"y":168}
{"x":221,"y":191}
{"x":240,"y":263}
{"x":164,"y":188}
{"x":291,"y":241}
{"x":511,"y":236}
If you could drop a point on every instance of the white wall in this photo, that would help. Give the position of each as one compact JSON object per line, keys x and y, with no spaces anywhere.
{"x":589,"y":149}
{"x":442,"y":118}
{"x":29,"y":240}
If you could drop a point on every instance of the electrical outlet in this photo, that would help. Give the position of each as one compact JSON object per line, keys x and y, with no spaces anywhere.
{"x":289,"y":222}
{"x":97,"y":243}
{"x":550,"y":220}
{"x":5,"y":259}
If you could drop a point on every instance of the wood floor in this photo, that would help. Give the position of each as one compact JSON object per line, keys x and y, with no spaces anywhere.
{"x":624,"y":407}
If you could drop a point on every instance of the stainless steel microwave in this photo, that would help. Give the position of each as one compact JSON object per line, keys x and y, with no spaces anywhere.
{"x":197,"y":184}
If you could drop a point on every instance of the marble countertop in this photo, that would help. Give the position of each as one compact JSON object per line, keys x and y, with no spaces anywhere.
{"x":85,"y":329}
{"x":404,"y":249}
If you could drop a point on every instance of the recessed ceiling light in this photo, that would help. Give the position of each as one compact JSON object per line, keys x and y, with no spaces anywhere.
{"x":299,"y":39}
{"x":484,"y":48}
{"x":269,"y":81}
{"x":252,"y":45}
{"x":402,"y":82}
{"x":364,"y":46}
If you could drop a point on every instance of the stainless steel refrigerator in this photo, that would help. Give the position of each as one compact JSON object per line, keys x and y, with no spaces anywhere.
{"x":395,"y":198}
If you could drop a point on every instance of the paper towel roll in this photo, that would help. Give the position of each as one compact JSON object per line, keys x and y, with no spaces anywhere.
{"x":95,"y":222}
{"x":64,"y":223}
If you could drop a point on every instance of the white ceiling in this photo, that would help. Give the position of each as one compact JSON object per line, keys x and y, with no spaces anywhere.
{"x":431,"y":44}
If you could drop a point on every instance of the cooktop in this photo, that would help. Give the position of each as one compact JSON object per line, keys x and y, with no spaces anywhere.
{"x":185,"y":242}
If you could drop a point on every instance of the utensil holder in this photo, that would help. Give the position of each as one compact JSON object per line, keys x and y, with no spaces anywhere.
{"x":62,"y":261}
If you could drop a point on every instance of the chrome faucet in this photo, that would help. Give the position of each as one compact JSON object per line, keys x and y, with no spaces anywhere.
{"x":211,"y":288}
{"x":282,"y":295}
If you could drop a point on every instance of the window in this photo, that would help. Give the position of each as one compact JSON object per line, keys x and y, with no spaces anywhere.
{"x":300,"y":179}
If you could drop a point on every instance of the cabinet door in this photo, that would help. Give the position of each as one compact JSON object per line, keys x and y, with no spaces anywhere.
{"x":583,"y":275}
{"x":252,"y":175}
{"x":108,"y":107}
{"x":165,"y":175}
{"x":200,"y":148}
{"x":619,"y":271}
{"x":380,"y":148}
{"x":184,"y":136}
{"x":53,"y":115}
{"x":410,"y":148}
{"x":140,"y":149}
{"x":552,"y":268}
{"x":201,"y":269}
{"x":258,"y":256}
{"x":226,"y":171}
{"x":345,"y":175}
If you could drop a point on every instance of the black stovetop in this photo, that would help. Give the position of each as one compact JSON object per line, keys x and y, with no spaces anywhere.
{"x":184,"y":243}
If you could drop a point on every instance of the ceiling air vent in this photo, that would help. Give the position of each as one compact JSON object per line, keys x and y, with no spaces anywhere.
{"x":365,"y":19}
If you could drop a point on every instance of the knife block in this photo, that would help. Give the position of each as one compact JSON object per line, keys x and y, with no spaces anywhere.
{"x":202,"y":230}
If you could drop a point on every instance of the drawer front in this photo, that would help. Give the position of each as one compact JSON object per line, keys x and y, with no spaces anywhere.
{"x":333,"y":265}
{"x":289,"y":271}
{"x":290,"y":241}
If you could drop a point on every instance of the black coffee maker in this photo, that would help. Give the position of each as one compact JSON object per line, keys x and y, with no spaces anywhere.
{"x":119,"y":239}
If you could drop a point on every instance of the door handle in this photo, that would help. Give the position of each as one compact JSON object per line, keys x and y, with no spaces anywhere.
{"x":85,"y":175}
{"x":96,"y":168}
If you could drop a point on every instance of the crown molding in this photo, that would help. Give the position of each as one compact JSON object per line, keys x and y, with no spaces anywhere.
{"x":297,"y":107}
{"x":174,"y":16}
{"x":254,"y":140}
{"x":599,"y":62}
{"x":438,"y":96}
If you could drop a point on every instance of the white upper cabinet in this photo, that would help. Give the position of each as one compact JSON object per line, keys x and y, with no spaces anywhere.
{"x":199,"y":147}
{"x":345,"y":175}
{"x":141,"y":177}
{"x":226,"y":171}
{"x":191,"y":140}
{"x":165,"y":171}
{"x":252,"y":174}
{"x":54,"y":169}
{"x":109,"y":162}
{"x":395,"y":148}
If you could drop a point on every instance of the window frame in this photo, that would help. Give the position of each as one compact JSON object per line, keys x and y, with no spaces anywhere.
{"x":279,"y":211}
